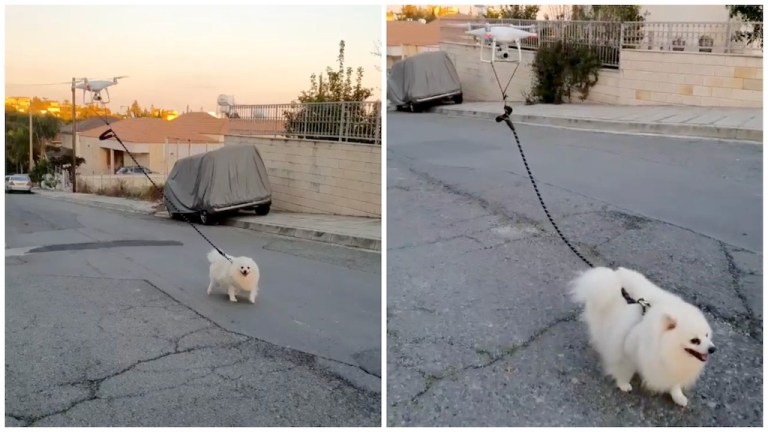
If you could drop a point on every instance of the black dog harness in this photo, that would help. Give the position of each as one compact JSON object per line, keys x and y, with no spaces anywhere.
{"x":641,"y":301}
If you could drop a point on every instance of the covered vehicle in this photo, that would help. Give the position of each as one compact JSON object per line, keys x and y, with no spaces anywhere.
{"x":425,"y":78}
{"x":213,"y":184}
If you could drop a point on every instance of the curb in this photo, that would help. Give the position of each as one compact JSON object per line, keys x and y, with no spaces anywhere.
{"x":701,"y":131}
{"x":369,"y":244}
{"x":102,"y":205}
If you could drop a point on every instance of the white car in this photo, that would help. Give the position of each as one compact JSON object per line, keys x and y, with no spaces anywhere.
{"x":18,"y":182}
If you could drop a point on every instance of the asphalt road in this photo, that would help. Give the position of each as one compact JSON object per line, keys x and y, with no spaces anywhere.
{"x":108,"y":324}
{"x":480,"y":331}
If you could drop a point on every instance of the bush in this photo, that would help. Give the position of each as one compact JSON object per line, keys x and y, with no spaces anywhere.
{"x":560,"y":69}
{"x":40,"y":170}
{"x":328,"y":121}
{"x":320,"y":113}
{"x":121,"y":190}
{"x":50,"y":181}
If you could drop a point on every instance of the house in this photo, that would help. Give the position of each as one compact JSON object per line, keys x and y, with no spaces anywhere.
{"x":201,"y":123}
{"x":65,"y":133}
{"x":693,"y":13}
{"x":408,"y":38}
{"x":155,"y":143}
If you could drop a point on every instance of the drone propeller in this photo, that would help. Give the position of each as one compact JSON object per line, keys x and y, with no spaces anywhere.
{"x":529,"y":27}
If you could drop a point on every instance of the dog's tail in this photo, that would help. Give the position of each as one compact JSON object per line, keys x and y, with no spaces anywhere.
{"x":214,"y":256}
{"x":597,"y":288}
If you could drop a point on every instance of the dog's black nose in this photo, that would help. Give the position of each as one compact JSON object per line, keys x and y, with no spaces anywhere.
{"x":711,"y":349}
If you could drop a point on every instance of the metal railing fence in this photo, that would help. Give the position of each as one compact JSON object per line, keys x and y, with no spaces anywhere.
{"x":608,"y":38}
{"x":326,"y":121}
{"x":711,"y":37}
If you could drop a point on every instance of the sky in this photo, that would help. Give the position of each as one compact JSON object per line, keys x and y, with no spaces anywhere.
{"x":176,"y":56}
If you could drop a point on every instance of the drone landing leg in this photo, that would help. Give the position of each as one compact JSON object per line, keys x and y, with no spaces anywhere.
{"x":483,"y":46}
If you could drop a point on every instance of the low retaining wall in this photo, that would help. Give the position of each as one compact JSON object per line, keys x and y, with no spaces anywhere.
{"x":644,"y":77}
{"x":320,"y":176}
{"x":682,"y":78}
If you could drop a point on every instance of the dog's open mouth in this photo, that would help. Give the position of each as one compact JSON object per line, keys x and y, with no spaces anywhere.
{"x":244,"y":272}
{"x":701,"y":356}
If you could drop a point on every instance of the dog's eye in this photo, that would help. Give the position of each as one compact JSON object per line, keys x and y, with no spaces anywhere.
{"x":695,"y":341}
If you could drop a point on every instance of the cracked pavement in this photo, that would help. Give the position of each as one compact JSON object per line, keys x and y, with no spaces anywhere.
{"x":479,"y":329}
{"x":95,"y":338}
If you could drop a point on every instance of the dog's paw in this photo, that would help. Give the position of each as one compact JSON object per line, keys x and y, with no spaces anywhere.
{"x":625,"y":387}
{"x":233,"y":300}
{"x":679,"y":398}
{"x":253,"y":300}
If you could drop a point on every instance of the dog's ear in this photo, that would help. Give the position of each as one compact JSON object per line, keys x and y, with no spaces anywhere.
{"x":668,"y":322}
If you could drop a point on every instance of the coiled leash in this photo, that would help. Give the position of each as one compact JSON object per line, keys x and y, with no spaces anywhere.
{"x":110,"y":133}
{"x":505,"y":118}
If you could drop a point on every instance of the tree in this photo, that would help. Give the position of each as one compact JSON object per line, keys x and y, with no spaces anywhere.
{"x":44,"y":128}
{"x":16,"y":148}
{"x":521,"y":12}
{"x":377,"y":53}
{"x":749,"y":13}
{"x":558,"y":13}
{"x":135,"y":109}
{"x":620,"y":13}
{"x":308,"y":119}
{"x":560,"y":69}
{"x":338,"y":86}
{"x":411,"y":12}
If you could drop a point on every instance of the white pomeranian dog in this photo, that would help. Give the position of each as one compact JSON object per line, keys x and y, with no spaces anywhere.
{"x":242,"y":274}
{"x":663,"y":339}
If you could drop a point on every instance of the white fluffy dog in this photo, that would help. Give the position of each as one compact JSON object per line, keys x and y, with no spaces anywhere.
{"x":667,"y":346}
{"x":242,"y":274}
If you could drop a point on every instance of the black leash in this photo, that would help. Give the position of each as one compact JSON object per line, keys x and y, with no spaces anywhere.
{"x":110,"y":133}
{"x":505,"y":118}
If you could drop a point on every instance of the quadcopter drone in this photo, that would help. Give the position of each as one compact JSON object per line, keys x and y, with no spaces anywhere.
{"x":95,"y":87}
{"x":499,"y":38}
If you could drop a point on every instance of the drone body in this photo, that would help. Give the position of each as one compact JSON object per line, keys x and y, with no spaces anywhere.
{"x":500,"y":37}
{"x":95,"y":87}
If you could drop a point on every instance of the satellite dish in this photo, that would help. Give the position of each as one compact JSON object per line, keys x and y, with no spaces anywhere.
{"x":225,"y":100}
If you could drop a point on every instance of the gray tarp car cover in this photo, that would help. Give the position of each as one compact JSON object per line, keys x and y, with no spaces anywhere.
{"x":422,"y":76}
{"x":233,"y":175}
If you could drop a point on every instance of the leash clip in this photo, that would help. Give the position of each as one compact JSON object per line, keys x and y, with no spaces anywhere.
{"x":641,"y":301}
{"x":505,"y":116}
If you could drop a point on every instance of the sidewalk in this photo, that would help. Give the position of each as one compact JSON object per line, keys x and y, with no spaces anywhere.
{"x":706,"y":122}
{"x":350,"y":231}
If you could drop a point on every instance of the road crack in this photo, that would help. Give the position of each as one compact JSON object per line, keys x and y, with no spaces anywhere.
{"x":433,"y":378}
{"x":753,"y":325}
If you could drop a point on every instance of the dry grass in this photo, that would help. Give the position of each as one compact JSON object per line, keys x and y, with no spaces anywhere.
{"x":145,"y":193}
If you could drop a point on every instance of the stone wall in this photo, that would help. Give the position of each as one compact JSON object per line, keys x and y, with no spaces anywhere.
{"x":320,"y":176}
{"x":644,"y":77}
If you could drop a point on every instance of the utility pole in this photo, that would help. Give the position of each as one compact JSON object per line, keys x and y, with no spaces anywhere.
{"x":31,"y":159}
{"x":74,"y":139}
